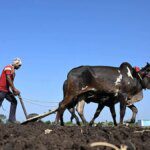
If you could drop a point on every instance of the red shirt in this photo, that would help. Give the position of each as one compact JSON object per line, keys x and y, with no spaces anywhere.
{"x":8,"y":70}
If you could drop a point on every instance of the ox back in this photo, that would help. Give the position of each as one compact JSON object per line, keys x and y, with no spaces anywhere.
{"x":118,"y":82}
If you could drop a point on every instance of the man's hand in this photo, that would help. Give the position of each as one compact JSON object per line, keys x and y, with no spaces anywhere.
{"x":16,"y":92}
{"x":11,"y":85}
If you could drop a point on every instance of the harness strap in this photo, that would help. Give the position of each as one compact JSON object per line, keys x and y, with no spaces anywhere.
{"x":140,"y":76}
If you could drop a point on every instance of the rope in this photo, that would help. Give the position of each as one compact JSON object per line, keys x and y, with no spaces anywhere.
{"x":37,"y":101}
{"x":38,"y":104}
{"x":5,"y":111}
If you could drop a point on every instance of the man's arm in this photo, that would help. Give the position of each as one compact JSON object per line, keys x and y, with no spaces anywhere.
{"x":11,"y":84}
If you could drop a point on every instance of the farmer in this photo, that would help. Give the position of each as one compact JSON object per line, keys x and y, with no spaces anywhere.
{"x":7,"y":88}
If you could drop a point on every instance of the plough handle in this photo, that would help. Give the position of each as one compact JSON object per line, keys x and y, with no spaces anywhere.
{"x":23,"y":107}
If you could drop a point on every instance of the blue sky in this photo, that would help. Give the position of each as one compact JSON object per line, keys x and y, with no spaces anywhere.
{"x":52,"y":37}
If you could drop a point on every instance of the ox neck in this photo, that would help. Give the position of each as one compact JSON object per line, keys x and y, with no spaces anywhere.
{"x":140,"y":77}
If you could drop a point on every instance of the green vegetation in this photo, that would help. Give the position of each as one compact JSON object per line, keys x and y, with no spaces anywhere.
{"x":3,"y":119}
{"x":48,"y":122}
{"x":106,"y":123}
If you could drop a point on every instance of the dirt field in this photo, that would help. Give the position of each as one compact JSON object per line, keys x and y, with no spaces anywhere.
{"x":40,"y":136}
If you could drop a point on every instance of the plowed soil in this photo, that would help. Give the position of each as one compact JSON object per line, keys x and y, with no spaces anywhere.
{"x":40,"y":136}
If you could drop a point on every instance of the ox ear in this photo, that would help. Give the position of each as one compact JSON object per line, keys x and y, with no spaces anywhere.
{"x":148,"y":64}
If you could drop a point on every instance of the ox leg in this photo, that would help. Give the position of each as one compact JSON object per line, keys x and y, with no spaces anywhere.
{"x":62,"y":107}
{"x":98,"y":111}
{"x":113,"y":113}
{"x":61,"y":111}
{"x":72,"y":111}
{"x":73,"y":115}
{"x":59,"y":115}
{"x":122,"y":108}
{"x":57,"y":118}
{"x":134,"y":112}
{"x":79,"y":109}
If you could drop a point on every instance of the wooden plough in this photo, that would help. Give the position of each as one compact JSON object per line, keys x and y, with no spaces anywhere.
{"x":35,"y":117}
{"x":40,"y":116}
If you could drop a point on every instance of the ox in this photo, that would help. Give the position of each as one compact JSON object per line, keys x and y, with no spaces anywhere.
{"x":102,"y":102}
{"x":118,"y":83}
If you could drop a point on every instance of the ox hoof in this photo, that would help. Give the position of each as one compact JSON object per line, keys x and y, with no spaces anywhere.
{"x":91,"y":124}
{"x":115,"y":124}
{"x":71,"y":120}
{"x":78,"y":123}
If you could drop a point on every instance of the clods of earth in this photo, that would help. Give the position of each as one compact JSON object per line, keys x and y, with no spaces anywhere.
{"x":41,"y":136}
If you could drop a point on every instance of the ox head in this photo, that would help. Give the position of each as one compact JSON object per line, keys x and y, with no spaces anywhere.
{"x":146,"y":75}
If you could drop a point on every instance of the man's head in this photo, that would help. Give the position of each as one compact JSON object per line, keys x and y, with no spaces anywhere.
{"x":17,"y":63}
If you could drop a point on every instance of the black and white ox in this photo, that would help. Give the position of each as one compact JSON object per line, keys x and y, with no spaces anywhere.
{"x":116,"y":83}
{"x":102,"y":103}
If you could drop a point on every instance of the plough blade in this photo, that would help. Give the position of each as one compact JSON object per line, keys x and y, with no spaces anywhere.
{"x":40,"y":116}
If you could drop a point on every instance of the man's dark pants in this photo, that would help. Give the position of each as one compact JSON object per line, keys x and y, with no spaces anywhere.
{"x":11,"y":98}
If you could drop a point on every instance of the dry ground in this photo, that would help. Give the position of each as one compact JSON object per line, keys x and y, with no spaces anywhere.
{"x":40,"y":136}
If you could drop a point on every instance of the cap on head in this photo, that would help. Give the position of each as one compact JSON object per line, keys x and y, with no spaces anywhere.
{"x":17,"y":62}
